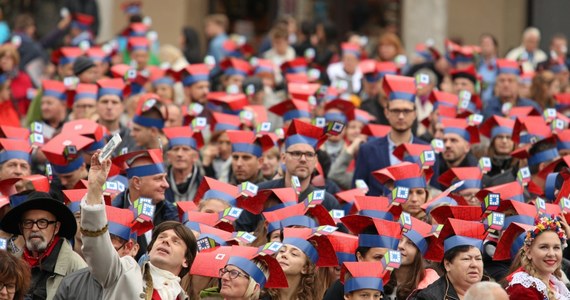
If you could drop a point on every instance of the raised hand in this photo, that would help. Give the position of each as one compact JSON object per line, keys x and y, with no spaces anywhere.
{"x":97,"y":176}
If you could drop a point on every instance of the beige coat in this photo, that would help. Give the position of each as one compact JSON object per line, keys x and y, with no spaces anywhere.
{"x":121,"y":278}
{"x":67,"y":263}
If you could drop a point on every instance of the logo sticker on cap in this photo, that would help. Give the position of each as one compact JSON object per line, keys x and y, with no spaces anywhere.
{"x":210,"y":60}
{"x":523,"y":176}
{"x":422,"y":80}
{"x":271,"y":248}
{"x":392,"y":260}
{"x":248,"y":189}
{"x":406,"y":221}
{"x":549,"y":114}
{"x":400,"y":195}
{"x":506,"y":108}
{"x":475,"y":120}
{"x":540,"y":206}
{"x":199,"y":124}
{"x":263,"y":128}
{"x":219,"y":256}
{"x":491,"y":203}
{"x":205,"y":243}
{"x":232,"y":89}
{"x":361,"y":185}
{"x":565,"y":205}
{"x":148,"y":104}
{"x":250,"y":89}
{"x":310,"y":53}
{"x":335,"y":128}
{"x":427,"y":159}
{"x":314,"y":74}
{"x":485,"y":164}
{"x":246,"y":115}
{"x":437,"y":145}
{"x":3,"y":244}
{"x":319,"y":122}
{"x":296,"y":184}
{"x":494,"y":222}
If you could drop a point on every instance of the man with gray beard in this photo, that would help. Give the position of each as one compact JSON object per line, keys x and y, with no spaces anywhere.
{"x":47,"y":226}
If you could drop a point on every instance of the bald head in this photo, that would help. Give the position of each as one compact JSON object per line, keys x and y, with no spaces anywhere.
{"x":486,"y":290}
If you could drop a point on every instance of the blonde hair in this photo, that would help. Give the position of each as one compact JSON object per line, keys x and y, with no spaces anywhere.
{"x":252,"y":293}
{"x":11,"y":50}
{"x":526,"y":263}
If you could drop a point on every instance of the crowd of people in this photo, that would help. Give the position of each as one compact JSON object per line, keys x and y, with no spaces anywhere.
{"x":302,"y":168}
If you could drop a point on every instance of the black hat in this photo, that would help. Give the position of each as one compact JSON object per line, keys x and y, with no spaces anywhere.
{"x":41,"y":201}
{"x":82,"y":64}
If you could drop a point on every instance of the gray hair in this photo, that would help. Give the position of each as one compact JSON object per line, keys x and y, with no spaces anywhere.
{"x":531,"y":31}
{"x":483,"y":290}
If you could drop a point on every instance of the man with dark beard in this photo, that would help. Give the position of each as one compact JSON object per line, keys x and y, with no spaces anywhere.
{"x":47,"y":226}
{"x":401,"y":114}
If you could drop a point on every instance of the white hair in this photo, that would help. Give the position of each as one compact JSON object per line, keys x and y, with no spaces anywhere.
{"x":531,"y":31}
{"x":482,"y":290}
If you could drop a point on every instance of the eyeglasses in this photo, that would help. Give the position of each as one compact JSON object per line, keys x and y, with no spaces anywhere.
{"x":41,"y":223}
{"x":10,"y":287}
{"x":233,"y":273}
{"x":299,"y":154}
{"x":398,"y":112}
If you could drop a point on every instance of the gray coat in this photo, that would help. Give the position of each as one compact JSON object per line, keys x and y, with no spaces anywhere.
{"x":79,"y":285}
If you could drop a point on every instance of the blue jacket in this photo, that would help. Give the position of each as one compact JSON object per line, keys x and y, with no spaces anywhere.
{"x":374,"y":155}
{"x":494,"y":106}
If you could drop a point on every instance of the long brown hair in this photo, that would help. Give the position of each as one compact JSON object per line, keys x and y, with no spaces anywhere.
{"x":13,"y":268}
{"x":410,"y":283}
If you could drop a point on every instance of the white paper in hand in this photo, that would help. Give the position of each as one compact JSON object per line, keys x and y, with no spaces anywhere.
{"x":110,"y":147}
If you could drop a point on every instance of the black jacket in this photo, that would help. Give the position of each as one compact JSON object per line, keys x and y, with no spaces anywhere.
{"x":441,"y":289}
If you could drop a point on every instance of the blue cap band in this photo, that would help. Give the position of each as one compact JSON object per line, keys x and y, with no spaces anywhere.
{"x":85,"y":95}
{"x":553,"y":182}
{"x":215,"y":194}
{"x":146,"y":170}
{"x":96,"y":145}
{"x":148,"y":122}
{"x":16,"y":200}
{"x":110,"y":91}
{"x":506,"y":70}
{"x":234,"y":71}
{"x":345,"y":257}
{"x":414,"y":182}
{"x":457,"y":240}
{"x":402,"y":96}
{"x":361,"y":283}
{"x":247,"y":148}
{"x":163,"y":80}
{"x":223,"y":126}
{"x":542,"y":156}
{"x":418,"y":240}
{"x":262,"y":69}
{"x":561,"y":145}
{"x":191,"y":79}
{"x":377,"y":241}
{"x":335,"y":116}
{"x":12,"y":154}
{"x":249,"y":268}
{"x":74,"y":206}
{"x":64,"y":60}
{"x":384,"y":215}
{"x":459,"y":131}
{"x":305,"y":246}
{"x":468,"y":184}
{"x":139,"y":48}
{"x":296,"y":70}
{"x":216,"y":238}
{"x":295,"y":114}
{"x":300,"y":139}
{"x":298,"y":221}
{"x":70,"y":167}
{"x":184,"y":141}
{"x":501,"y":130}
{"x":55,"y":94}
{"x":120,"y":230}
{"x":517,"y":244}
{"x":523,"y":219}
{"x":443,"y":200}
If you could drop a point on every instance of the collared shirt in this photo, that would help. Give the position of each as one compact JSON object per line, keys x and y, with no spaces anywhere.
{"x":392,"y":146}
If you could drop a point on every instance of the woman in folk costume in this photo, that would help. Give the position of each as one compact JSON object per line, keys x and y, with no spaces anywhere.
{"x":541,"y":258}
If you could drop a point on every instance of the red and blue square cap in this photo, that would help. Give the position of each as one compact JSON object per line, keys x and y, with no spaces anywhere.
{"x":15,"y":149}
{"x":522,"y":111}
{"x":115,"y":86}
{"x":63,"y":151}
{"x":302,"y":91}
{"x":374,"y":71}
{"x":344,"y":245}
{"x":231,"y":103}
{"x":364,"y":275}
{"x":460,"y":212}
{"x":160,"y":76}
{"x":195,"y":73}
{"x":462,"y":128}
{"x":496,"y":125}
{"x":538,"y":157}
{"x":263,"y":66}
{"x":82,"y":21}
{"x":516,"y":211}
{"x":338,"y":110}
{"x":66,"y":55}
{"x":192,"y":219}
{"x":298,"y":215}
{"x":348,"y":196}
{"x":292,"y":109}
{"x":147,"y":102}
{"x":300,"y":132}
{"x":54,"y":88}
{"x":471,"y":177}
{"x":405,"y":174}
{"x":456,"y":233}
{"x":82,"y":91}
{"x":16,"y":133}
{"x":222,"y":122}
{"x":245,"y":259}
{"x":410,"y":152}
{"x":526,"y":77}
{"x":132,"y":7}
{"x":441,"y":98}
{"x":442,"y":199}
{"x":360,"y":115}
{"x":314,"y":243}
{"x":72,"y":198}
{"x":138,"y":43}
{"x":90,"y":129}
{"x":351,"y":48}
{"x":376,"y":130}
{"x":135,"y":78}
{"x":511,"y":240}
{"x":468,"y":73}
{"x":294,"y":66}
{"x":418,"y":232}
{"x":249,"y":142}
{"x":562,"y":101}
{"x":388,"y":233}
{"x":184,"y":206}
{"x":98,"y":54}
{"x":530,"y":129}
{"x":136,"y":29}
{"x":120,"y":222}
{"x":269,"y":200}
{"x":297,"y":78}
{"x":152,"y":163}
{"x":508,"y":66}
{"x":211,"y":188}
{"x":184,"y":136}
{"x":377,"y":207}
{"x":398,"y":87}
{"x":235,"y":66}
{"x":508,"y":191}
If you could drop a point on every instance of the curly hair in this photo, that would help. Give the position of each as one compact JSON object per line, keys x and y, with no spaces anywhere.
{"x":310,"y":286}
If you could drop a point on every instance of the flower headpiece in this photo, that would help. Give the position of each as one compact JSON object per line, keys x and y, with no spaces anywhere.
{"x":543,"y":224}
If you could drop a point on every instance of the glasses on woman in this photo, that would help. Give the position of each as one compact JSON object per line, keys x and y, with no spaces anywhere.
{"x":10,"y":287}
{"x":41,"y":223}
{"x":233,"y":273}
